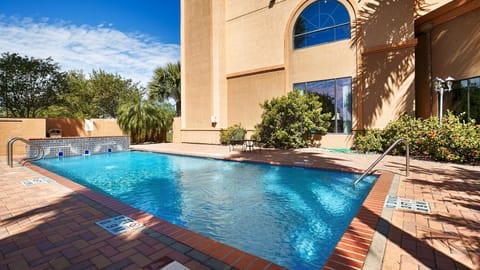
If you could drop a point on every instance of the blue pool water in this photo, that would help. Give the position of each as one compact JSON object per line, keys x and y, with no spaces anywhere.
{"x":288,"y":215}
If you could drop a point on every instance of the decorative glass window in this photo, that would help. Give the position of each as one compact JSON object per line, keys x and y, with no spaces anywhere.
{"x":321,"y":22}
{"x":336,"y":98}
{"x":465,"y":98}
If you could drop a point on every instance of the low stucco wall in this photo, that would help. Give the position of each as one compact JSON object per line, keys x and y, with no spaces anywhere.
{"x":29,"y":128}
{"x":200,"y":136}
{"x":73,"y":127}
{"x":337,"y":140}
{"x":19,"y":127}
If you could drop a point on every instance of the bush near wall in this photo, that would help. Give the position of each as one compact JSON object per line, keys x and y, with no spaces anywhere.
{"x":233,"y":133}
{"x":453,"y":140}
{"x":289,"y":121}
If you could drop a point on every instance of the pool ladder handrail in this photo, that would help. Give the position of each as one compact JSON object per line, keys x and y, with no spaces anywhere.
{"x":407,"y":160}
{"x":40,"y":151}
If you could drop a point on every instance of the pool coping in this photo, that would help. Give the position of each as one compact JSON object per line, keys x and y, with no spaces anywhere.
{"x":350,"y":253}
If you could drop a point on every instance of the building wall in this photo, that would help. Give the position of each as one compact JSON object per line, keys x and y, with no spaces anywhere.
{"x":236,"y":54}
{"x":424,"y":94}
{"x":197,"y":63}
{"x":328,"y":61}
{"x":426,"y":6}
{"x":389,"y":89}
{"x":387,"y":69}
{"x":19,"y":127}
{"x":255,"y":33}
{"x":246,"y":93}
{"x":454,"y":52}
{"x":444,"y":51}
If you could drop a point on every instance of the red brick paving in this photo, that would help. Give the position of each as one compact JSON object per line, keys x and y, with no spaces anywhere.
{"x":48,"y":226}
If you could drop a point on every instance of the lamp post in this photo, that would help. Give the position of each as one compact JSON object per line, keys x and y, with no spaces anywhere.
{"x":439,"y":85}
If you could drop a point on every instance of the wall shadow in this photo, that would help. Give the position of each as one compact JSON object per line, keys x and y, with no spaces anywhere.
{"x":386,"y":76}
{"x":295,"y":158}
{"x":452,"y":53}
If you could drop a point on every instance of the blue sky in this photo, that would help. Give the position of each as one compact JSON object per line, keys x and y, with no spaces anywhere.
{"x":127,"y":37}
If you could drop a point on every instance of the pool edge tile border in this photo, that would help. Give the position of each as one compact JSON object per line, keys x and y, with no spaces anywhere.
{"x":350,"y":252}
{"x":376,"y":252}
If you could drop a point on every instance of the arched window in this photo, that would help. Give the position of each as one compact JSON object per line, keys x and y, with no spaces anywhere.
{"x":321,"y":22}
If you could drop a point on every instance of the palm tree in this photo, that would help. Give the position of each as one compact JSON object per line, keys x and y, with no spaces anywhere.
{"x":145,"y":120}
{"x":166,"y":84}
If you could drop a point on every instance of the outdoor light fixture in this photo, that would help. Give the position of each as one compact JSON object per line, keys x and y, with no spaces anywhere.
{"x":213,"y":119}
{"x":440,"y":85}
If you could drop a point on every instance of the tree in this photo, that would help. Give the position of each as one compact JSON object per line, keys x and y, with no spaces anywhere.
{"x":288,"y":121}
{"x":78,"y":103}
{"x":111,"y":90}
{"x":29,"y":85}
{"x":166,"y":84}
{"x":97,"y":95}
{"x":145,"y":120}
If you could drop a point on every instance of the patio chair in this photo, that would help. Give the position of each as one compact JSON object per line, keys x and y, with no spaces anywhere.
{"x":237,"y":138}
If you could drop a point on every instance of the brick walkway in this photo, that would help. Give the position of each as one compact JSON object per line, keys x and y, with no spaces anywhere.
{"x":52,"y":226}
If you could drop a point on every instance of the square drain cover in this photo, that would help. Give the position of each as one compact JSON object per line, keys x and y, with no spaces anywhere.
{"x":406,"y":204}
{"x":175,"y":266}
{"x":119,"y":224}
{"x":37,"y":181}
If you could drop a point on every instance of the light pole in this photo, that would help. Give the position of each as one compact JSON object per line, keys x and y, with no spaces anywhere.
{"x":439,"y":85}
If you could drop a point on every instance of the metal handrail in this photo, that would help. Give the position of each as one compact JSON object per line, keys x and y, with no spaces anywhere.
{"x":40,"y":151}
{"x":407,"y":160}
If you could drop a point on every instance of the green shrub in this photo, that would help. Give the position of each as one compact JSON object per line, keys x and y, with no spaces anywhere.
{"x":368,"y":141}
{"x":233,"y":133}
{"x":287,"y":121}
{"x":405,"y":127}
{"x":453,"y":140}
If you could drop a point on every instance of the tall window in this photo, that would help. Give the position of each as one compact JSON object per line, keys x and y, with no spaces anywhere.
{"x":336,"y":98}
{"x":465,"y":98}
{"x":321,"y":22}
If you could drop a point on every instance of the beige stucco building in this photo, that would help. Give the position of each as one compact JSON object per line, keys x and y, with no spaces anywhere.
{"x":372,"y":60}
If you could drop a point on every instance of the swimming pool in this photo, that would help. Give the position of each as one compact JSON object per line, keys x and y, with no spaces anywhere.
{"x":291,"y":216}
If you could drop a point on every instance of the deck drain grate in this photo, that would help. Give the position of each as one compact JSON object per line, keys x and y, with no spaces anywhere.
{"x":119,"y":224}
{"x":35,"y":181}
{"x":406,"y":204}
{"x":175,"y":266}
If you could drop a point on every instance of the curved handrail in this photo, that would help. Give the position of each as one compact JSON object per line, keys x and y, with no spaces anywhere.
{"x":407,"y":160}
{"x":40,"y":151}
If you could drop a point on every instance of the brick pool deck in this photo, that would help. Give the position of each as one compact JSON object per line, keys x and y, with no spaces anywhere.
{"x":52,"y":225}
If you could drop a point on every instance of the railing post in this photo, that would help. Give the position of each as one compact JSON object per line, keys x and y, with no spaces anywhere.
{"x":407,"y":162}
{"x":407,"y":159}
{"x":10,"y":143}
{"x":8,"y":153}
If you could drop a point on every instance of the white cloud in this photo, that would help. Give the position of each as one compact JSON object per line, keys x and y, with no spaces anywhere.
{"x":131,"y":55}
